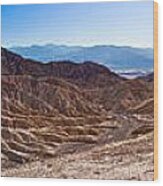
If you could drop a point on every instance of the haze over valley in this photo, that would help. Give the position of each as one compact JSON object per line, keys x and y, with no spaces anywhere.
{"x":128,"y":61}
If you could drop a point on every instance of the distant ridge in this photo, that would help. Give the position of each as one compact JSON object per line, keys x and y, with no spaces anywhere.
{"x":114,"y":57}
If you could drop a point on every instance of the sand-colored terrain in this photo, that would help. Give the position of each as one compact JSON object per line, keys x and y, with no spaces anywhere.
{"x":73,"y":149}
{"x":67,"y":120}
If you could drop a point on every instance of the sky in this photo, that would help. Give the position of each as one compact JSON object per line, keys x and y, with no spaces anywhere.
{"x":84,"y":24}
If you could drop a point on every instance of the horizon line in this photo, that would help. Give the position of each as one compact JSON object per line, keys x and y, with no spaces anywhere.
{"x":75,"y":45}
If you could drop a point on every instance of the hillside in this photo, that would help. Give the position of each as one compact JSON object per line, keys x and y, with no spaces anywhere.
{"x":98,"y":83}
{"x":77,"y":111}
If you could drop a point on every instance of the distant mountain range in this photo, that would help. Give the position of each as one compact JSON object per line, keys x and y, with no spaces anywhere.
{"x":116,"y":58}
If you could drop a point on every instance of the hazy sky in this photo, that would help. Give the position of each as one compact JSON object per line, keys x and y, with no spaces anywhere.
{"x":116,"y":23}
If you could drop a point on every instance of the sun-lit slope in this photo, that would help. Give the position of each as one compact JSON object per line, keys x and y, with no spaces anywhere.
{"x":129,"y":159}
{"x":63,"y":108}
{"x":146,"y":107}
{"x":44,"y":95}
